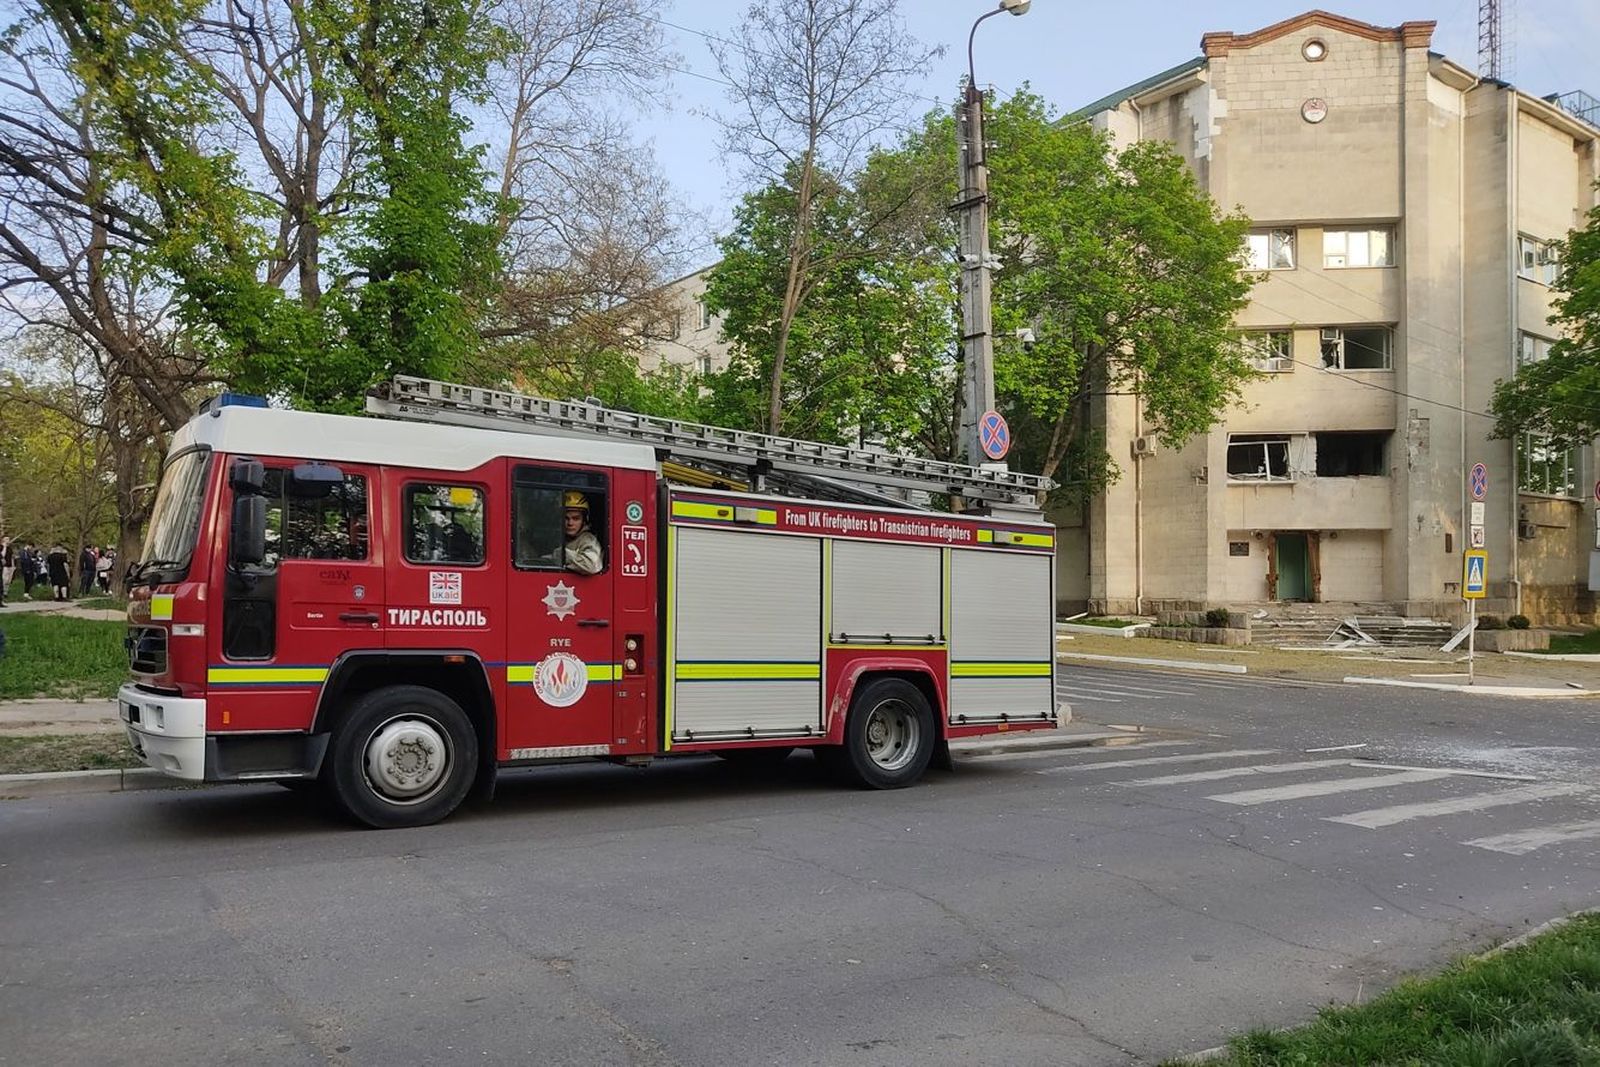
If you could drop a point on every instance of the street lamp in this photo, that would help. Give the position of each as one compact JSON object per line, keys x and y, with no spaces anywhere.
{"x":977,"y":343}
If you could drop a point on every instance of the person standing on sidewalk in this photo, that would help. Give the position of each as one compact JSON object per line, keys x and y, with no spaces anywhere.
{"x":60,"y":579}
{"x":8,"y":566}
{"x":28,"y":564}
{"x":102,"y":567}
{"x":86,"y":564}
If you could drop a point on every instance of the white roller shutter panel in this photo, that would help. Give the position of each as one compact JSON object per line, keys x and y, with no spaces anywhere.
{"x":886,"y":593}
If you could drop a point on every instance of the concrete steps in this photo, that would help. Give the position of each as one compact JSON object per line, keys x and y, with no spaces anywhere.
{"x":1315,"y":624}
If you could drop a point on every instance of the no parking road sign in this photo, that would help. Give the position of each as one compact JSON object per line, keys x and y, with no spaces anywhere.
{"x":1475,"y":574}
{"x":1479,"y":481}
{"x":994,"y":435}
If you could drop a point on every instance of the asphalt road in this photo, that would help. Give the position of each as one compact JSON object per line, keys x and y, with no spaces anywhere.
{"x":1070,"y":907}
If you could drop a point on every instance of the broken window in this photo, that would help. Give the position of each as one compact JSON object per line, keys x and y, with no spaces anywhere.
{"x":1271,"y":350}
{"x":1258,"y":458}
{"x":1538,"y":260}
{"x":1372,"y":247}
{"x":1270,"y":249}
{"x":1358,"y":348}
{"x":1349,"y":455}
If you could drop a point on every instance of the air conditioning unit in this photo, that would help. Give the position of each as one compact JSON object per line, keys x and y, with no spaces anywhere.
{"x":1332,"y":334}
{"x":1145,"y":445}
{"x":1526,"y":531}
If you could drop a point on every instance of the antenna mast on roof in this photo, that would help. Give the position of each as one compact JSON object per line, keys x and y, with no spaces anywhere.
{"x":1491,"y":38}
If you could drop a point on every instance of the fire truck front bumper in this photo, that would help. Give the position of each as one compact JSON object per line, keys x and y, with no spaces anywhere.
{"x":168,"y":733}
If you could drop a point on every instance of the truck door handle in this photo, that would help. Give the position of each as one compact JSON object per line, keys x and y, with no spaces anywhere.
{"x":595,"y":623}
{"x":358,"y":616}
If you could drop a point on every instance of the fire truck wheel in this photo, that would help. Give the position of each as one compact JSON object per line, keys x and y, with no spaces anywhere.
{"x":404,"y":755}
{"x":889,"y":736}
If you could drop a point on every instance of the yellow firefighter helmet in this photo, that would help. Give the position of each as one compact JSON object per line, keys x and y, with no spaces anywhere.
{"x":573,"y":500}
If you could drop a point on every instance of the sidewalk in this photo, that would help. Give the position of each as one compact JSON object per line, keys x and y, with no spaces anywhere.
{"x":1495,"y":672}
{"x":69,"y":609}
{"x":32,"y":718}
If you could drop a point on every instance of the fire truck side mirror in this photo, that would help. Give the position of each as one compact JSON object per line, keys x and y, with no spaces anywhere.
{"x":247,"y":545}
{"x":313,"y":481}
{"x":246,"y":475}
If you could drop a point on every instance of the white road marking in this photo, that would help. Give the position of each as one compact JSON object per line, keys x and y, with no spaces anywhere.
{"x":1237,"y":772}
{"x":1190,"y":758}
{"x":1462,"y":771}
{"x":1122,"y":688}
{"x":1377,"y":817}
{"x":1525,"y":841}
{"x":1086,"y":696}
{"x":1326,"y":788}
{"x":1114,"y":742}
{"x":1337,"y":748}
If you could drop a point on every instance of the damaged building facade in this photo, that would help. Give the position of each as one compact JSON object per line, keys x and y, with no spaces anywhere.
{"x":1403,"y":210}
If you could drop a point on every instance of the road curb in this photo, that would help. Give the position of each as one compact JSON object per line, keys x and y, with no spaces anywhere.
{"x":1563,"y":657}
{"x":1184,"y":664}
{"x":66,"y":783}
{"x":1488,"y":690}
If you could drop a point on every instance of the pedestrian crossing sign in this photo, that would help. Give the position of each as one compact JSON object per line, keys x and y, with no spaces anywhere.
{"x":1475,"y":574}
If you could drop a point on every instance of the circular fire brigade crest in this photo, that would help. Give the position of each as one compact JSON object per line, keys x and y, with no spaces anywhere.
{"x":635,"y":511}
{"x":561,"y":600}
{"x":560,"y":679}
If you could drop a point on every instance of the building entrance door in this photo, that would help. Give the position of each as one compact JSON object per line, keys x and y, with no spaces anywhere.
{"x":1293,"y":567}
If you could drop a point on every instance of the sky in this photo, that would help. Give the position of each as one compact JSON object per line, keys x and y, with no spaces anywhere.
{"x":1072,"y":52}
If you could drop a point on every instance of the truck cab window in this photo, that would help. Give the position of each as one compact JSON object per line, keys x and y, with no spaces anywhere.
{"x":559,"y":520}
{"x":329,"y":526}
{"x":444,"y":524}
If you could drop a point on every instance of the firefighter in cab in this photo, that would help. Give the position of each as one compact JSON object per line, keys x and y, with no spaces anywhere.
{"x":582,"y":550}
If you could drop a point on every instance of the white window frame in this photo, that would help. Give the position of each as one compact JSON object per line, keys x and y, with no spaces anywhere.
{"x":1532,"y":348}
{"x":1263,"y":442}
{"x":702,"y":314}
{"x":702,"y":363}
{"x":1535,"y":475}
{"x":1326,"y":339}
{"x":1353,"y":247}
{"x":1272,"y":351}
{"x":1268,"y":243}
{"x":1538,"y":260}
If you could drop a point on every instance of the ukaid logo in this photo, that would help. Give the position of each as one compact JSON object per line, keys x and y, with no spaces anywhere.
{"x":560,"y":679}
{"x":444,"y":587}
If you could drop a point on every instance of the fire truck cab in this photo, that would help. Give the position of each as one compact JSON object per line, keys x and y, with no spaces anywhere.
{"x":393,"y":609}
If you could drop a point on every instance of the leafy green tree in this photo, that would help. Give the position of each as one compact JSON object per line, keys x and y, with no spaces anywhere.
{"x":1128,"y":277}
{"x":1559,"y":396}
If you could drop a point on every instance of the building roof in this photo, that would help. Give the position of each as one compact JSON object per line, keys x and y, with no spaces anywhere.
{"x":1121,"y":96}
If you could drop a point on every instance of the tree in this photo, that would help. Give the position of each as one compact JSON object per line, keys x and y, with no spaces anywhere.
{"x":812,"y":83}
{"x":1559,"y":396}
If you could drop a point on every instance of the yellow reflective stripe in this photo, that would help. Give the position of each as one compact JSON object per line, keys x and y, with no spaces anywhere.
{"x":519,"y":672}
{"x":160,"y":607}
{"x":669,"y":621}
{"x":985,"y":537}
{"x":733,"y":672}
{"x":223,"y":675}
{"x":1000,"y":670}
{"x":766,"y":516}
{"x":688,"y":509}
{"x":1012,"y":537}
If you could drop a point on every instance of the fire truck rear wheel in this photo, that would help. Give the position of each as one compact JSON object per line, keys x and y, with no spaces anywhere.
{"x":889,"y":736}
{"x":404,"y":755}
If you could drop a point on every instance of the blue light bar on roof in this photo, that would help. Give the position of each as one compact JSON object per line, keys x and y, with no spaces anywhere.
{"x":232,"y":400}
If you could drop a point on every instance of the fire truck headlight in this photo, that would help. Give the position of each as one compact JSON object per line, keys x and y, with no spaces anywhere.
{"x":630,"y":664}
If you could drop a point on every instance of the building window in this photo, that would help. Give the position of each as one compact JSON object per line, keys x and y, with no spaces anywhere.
{"x":1258,"y":458}
{"x":1350,"y":455}
{"x":1271,"y":350}
{"x":702,"y":364}
{"x":444,"y":524}
{"x":1532,"y":349}
{"x":702,"y":319}
{"x":1358,"y":248}
{"x":1358,"y":348}
{"x":1269,"y":249}
{"x":1537,"y":260}
{"x":1544,"y":468}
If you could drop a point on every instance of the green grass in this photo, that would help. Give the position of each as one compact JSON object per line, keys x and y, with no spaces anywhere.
{"x":1574,"y":644}
{"x":65,"y":752}
{"x":1109,"y":623}
{"x":51,"y":656}
{"x":1535,"y":1006}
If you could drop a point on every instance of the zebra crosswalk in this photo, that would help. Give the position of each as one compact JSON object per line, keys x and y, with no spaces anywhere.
{"x":1335,"y":782}
{"x":1111,"y":685}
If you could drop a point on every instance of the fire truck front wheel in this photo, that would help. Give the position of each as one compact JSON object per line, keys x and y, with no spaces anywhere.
{"x":889,"y":736}
{"x":404,"y":755}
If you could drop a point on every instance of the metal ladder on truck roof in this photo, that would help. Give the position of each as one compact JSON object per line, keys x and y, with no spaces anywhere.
{"x":816,"y":467}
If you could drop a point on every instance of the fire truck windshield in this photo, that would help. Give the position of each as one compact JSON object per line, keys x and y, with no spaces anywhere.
{"x":175,"y":519}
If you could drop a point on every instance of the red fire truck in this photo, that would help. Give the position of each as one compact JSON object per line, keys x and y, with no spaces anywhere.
{"x":391,"y":608}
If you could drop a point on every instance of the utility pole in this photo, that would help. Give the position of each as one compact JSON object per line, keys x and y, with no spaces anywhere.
{"x":984,"y":434}
{"x":977,"y":336}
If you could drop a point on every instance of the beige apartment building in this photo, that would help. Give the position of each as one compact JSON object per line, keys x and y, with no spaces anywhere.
{"x":1402,"y":208}
{"x":689,"y":336}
